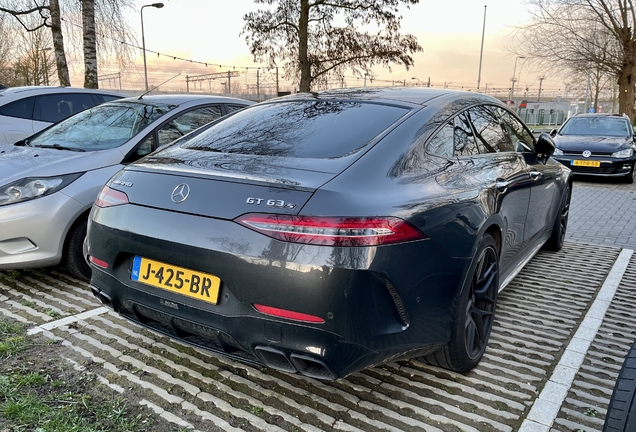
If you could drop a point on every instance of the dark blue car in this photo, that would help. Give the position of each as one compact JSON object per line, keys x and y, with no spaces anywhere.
{"x":322,"y":233}
{"x":597,"y":145}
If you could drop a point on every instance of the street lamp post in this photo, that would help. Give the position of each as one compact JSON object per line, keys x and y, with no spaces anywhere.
{"x":481,"y":52}
{"x":143,"y":40}
{"x":514,"y":75}
{"x":418,"y":80}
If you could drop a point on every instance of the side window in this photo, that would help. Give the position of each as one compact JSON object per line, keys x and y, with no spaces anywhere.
{"x":106,"y":98}
{"x":187,"y":122}
{"x":464,"y":137}
{"x":520,"y":136}
{"x":56,"y":107}
{"x":146,"y":146}
{"x":442,"y":144}
{"x":22,"y":108}
{"x":234,"y":108}
{"x":488,"y":130}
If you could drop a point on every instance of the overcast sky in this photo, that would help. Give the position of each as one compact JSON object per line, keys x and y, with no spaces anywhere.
{"x":449,"y":32}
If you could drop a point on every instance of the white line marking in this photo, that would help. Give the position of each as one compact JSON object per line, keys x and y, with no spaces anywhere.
{"x":67,"y":320}
{"x":547,"y":406}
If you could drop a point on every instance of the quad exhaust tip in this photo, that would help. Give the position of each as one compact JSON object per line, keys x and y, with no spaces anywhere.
{"x":104,"y":298}
{"x":296,"y":363}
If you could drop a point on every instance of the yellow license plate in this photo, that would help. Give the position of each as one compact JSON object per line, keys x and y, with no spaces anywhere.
{"x":197,"y":285}
{"x":586,"y":163}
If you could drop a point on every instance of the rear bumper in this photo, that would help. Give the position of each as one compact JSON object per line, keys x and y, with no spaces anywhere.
{"x":357,"y":291}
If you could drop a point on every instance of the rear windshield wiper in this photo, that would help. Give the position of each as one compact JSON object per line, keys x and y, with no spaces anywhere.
{"x":59,"y":147}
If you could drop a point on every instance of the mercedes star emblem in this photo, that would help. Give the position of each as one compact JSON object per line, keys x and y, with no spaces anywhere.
{"x":586,"y":153}
{"x":180,"y":193}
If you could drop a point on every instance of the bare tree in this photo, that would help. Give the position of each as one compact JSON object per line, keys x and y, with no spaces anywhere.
{"x":90,"y":44}
{"x":590,"y":36}
{"x":103,"y":26}
{"x":304,"y":35}
{"x":6,"y":45}
{"x":58,"y":44}
{"x":49,"y":16}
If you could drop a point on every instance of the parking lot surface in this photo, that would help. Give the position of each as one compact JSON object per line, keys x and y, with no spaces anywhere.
{"x":562,"y":329}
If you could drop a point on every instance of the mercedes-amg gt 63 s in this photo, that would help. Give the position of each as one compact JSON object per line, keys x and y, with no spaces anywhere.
{"x":323,"y":233}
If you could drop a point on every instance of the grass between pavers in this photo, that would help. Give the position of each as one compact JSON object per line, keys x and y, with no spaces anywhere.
{"x":41,"y":392}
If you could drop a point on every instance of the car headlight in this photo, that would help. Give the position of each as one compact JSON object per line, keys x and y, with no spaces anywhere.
{"x":34,"y":187}
{"x":557,"y":152}
{"x":627,"y":153}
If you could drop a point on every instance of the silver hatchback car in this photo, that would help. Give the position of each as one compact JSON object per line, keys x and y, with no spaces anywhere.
{"x":27,"y":110}
{"x":48,"y":182}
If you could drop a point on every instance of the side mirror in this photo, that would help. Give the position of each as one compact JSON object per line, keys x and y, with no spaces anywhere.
{"x":545,"y":147}
{"x":553,"y":133}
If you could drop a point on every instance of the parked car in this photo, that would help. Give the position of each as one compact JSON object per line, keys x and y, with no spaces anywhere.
{"x":621,"y":410}
{"x":597,"y":145}
{"x":49,"y":181}
{"x":323,"y":233}
{"x":27,"y":110}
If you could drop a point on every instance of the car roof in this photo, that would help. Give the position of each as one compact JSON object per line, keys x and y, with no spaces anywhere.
{"x":403,"y":95}
{"x":12,"y":93}
{"x":178,"y":99}
{"x":601,"y":115}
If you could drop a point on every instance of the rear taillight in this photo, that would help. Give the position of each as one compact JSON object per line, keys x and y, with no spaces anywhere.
{"x":284,"y":313}
{"x":110,"y":197}
{"x":99,"y":263}
{"x":333,"y":231}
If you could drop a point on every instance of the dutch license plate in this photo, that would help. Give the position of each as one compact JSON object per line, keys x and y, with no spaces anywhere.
{"x":586,"y":163}
{"x":197,"y":285}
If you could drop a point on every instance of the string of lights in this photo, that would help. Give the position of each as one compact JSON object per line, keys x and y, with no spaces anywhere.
{"x":493,"y":88}
{"x":174,"y":57}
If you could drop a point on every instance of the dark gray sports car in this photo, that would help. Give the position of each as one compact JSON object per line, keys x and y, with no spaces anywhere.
{"x":324,"y":233}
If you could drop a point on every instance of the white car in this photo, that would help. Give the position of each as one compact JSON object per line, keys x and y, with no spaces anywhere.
{"x":49,"y":181}
{"x":27,"y":110}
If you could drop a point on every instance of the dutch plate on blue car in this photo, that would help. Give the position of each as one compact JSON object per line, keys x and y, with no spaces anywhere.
{"x":586,"y":163}
{"x":196,"y":285}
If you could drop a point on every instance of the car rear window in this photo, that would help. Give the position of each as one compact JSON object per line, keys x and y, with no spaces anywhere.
{"x":301,"y":129}
{"x":597,"y":126}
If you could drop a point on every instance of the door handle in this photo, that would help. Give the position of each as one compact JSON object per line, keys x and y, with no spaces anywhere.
{"x":502,"y":185}
{"x":535,"y":175}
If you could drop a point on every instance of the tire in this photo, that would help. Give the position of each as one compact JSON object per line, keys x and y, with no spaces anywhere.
{"x":621,"y":411}
{"x":474,"y":310}
{"x":557,"y":238}
{"x":73,"y":254}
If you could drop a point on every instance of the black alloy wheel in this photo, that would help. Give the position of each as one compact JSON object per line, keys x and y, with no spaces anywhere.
{"x":475,"y":312}
{"x":480,"y":309}
{"x":556,"y":240}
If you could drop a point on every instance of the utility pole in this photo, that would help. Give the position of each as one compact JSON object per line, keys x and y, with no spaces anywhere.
{"x":541,"y":78}
{"x":481,"y":52}
{"x":277,"y":90}
{"x":258,"y":85}
{"x":229,"y":82}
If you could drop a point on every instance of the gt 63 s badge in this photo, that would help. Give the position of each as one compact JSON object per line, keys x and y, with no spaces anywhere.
{"x":271,"y":203}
